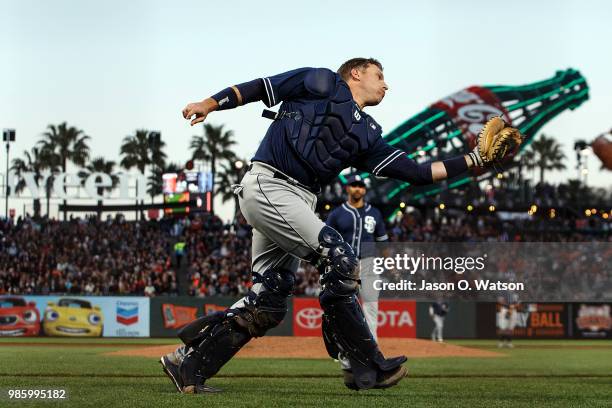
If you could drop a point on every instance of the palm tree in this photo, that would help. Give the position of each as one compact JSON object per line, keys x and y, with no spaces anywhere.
{"x":213,"y":146}
{"x":32,"y":163}
{"x":231,"y":174}
{"x":66,"y":144}
{"x":50,"y":163}
{"x":140,"y":150}
{"x":158,"y":166}
{"x":100,"y":165}
{"x":135,"y":151}
{"x":545,"y":154}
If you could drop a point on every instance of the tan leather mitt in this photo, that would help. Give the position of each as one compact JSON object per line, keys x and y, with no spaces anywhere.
{"x":495,"y":141}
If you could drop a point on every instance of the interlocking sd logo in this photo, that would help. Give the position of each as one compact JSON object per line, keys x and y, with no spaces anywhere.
{"x":307,"y":317}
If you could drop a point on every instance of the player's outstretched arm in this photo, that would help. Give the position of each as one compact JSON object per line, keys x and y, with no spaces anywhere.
{"x":495,"y":142}
{"x":386,"y":161}
{"x":301,"y":82}
{"x":228,"y":98}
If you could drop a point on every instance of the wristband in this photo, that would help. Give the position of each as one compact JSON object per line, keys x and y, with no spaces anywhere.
{"x":226,"y":99}
{"x":455,"y":166}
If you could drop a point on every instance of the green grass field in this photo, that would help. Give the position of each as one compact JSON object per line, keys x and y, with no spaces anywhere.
{"x":535,"y":373}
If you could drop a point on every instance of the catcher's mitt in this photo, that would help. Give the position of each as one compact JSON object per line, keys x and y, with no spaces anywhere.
{"x":495,"y":141}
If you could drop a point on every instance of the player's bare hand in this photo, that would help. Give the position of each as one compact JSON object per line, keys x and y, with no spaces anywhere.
{"x":197,"y":111}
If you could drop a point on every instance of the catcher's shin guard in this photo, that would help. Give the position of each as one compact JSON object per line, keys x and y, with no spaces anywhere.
{"x":346,"y":332}
{"x":345,"y":329}
{"x":215,"y":339}
{"x":218,"y":343}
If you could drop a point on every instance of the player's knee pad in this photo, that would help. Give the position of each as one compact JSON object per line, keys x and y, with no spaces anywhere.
{"x":338,"y":264}
{"x":266,"y":308}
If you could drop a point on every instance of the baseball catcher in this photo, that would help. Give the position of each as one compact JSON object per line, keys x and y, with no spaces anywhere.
{"x":320,"y":129}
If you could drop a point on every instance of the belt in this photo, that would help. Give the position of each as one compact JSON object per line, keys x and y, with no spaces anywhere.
{"x":282,"y":176}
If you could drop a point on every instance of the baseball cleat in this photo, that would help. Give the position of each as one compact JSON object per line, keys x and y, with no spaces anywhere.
{"x":199,"y":389}
{"x":391,"y":378}
{"x":171,"y":357}
{"x":385,"y":379}
{"x":172,"y":371}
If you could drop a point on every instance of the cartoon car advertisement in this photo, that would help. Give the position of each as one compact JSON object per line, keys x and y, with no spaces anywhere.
{"x":18,"y":317}
{"x":93,"y":316}
{"x":73,"y":318}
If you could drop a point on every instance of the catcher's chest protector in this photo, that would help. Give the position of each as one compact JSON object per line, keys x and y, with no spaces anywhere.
{"x":329,"y":134}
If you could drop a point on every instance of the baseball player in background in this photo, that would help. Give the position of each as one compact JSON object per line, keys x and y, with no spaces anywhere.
{"x":507,"y":317}
{"x":320,"y":129}
{"x":358,"y":222}
{"x":437,"y":312}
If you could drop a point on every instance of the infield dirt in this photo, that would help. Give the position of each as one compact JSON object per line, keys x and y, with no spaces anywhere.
{"x":312,"y":347}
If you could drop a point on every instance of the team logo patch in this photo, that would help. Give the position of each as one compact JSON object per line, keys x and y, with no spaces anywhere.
{"x":357,"y":115}
{"x":127,"y":313}
{"x":369,"y":223}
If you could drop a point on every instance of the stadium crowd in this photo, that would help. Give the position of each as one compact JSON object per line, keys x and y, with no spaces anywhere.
{"x":118,"y":257}
{"x":86,"y":256}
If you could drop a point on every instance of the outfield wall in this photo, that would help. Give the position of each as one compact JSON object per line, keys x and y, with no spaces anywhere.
{"x":93,"y":316}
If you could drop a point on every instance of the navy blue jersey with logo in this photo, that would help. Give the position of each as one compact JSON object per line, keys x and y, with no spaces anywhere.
{"x":358,"y":225}
{"x":320,"y":130}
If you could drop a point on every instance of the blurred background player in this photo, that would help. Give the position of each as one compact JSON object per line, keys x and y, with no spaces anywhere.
{"x":506,"y":320}
{"x":437,"y":312}
{"x":358,"y":222}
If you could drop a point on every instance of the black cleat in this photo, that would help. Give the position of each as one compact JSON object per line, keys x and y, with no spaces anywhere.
{"x":384,"y":380}
{"x":172,"y":371}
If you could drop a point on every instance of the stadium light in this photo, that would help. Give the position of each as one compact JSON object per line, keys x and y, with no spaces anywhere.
{"x":500,"y":176}
{"x":491,"y":208}
{"x":442,"y":206}
{"x":8,"y":136}
{"x":605,"y":216}
{"x":327,"y":207}
{"x":593,"y":211}
{"x":587,"y":213}
{"x":238,"y":164}
{"x":470,"y":207}
{"x":402,"y":204}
